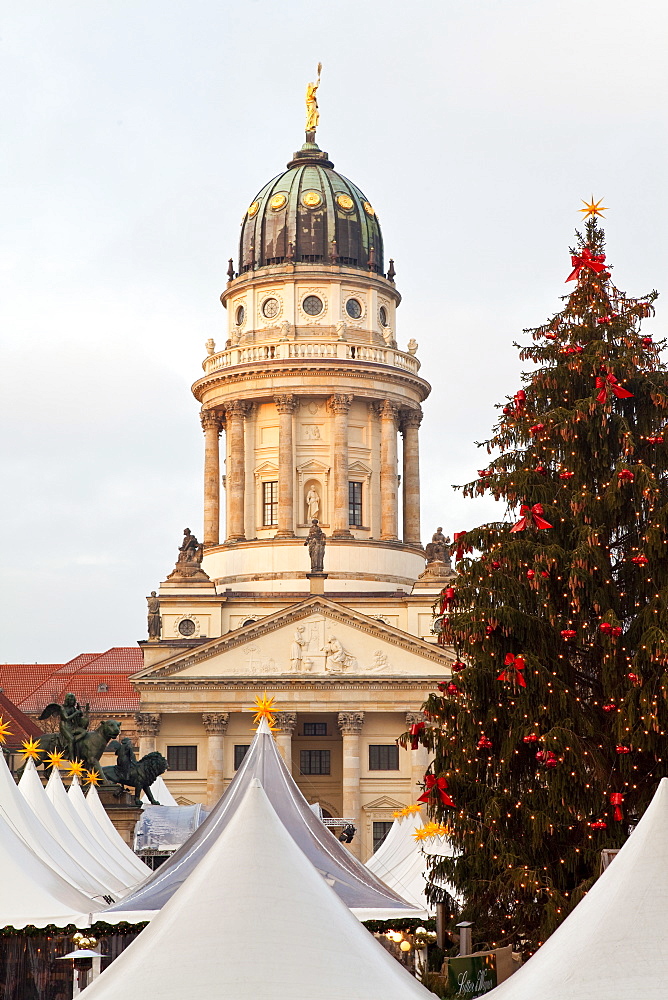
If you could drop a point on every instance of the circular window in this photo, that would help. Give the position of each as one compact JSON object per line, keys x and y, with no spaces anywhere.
{"x":311,"y":199}
{"x":345,"y":202}
{"x":270,"y":308}
{"x":240,"y":315}
{"x":353,"y":308}
{"x":187,"y":626}
{"x":253,"y":209}
{"x":278,"y":202}
{"x":312,"y":305}
{"x":368,"y":208}
{"x":382,"y":316}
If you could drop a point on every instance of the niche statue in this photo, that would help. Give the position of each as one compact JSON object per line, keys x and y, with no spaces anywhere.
{"x":316,"y":542}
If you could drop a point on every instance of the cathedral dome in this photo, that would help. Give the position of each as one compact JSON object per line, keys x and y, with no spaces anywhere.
{"x":310,"y":214}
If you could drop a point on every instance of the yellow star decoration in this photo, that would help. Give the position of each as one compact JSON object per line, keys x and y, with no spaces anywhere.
{"x":592,"y":208}
{"x":265,"y":709}
{"x":92,"y":777}
{"x":55,"y":758}
{"x":31,"y":748}
{"x":76,"y":769}
{"x":406,"y":811}
{"x":431,"y":830}
{"x":5,"y":731}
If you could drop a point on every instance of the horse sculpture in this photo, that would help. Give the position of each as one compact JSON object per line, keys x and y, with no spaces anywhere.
{"x":137,"y":774}
{"x":89,"y":748}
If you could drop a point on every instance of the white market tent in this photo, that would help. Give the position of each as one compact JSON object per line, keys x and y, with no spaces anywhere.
{"x":613,"y":944}
{"x":360,"y":889}
{"x":101,"y":818}
{"x":160,"y":793}
{"x":399,"y":861}
{"x":115,"y":877}
{"x":83,"y":867}
{"x":113,"y":847}
{"x":255,"y":881}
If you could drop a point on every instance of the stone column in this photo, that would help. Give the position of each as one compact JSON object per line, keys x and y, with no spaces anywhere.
{"x":350,"y":725}
{"x":339,"y":404}
{"x":410,"y":423}
{"x":286,"y":405}
{"x":215,"y":724}
{"x":236,"y":469}
{"x":388,"y":471}
{"x":419,"y":759}
{"x":148,"y":727}
{"x":211,"y":425}
{"x":284,"y":728}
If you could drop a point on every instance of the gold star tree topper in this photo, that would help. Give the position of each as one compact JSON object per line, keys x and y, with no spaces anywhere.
{"x":264,"y":710}
{"x":5,"y":731}
{"x":31,"y":748}
{"x":592,"y":208}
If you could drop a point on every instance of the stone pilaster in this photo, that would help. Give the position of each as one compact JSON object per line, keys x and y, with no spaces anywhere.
{"x":284,"y":727}
{"x":148,"y":727}
{"x":419,"y":758}
{"x":350,"y":724}
{"x":388,"y":471}
{"x":235,"y":413}
{"x":285,"y":404}
{"x":211,"y":425}
{"x":410,"y":423}
{"x":215,"y":724}
{"x":339,"y":405}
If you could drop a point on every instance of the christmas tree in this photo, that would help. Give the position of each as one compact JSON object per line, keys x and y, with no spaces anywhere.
{"x":551,"y":737}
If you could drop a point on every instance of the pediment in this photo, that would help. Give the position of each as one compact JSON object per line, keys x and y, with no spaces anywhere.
{"x":383,"y":802}
{"x":315,"y":639}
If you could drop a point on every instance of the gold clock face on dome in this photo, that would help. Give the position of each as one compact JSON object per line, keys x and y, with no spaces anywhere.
{"x":253,"y":209}
{"x":311,"y":199}
{"x":278,"y":202}
{"x":345,"y":202}
{"x":368,"y":208}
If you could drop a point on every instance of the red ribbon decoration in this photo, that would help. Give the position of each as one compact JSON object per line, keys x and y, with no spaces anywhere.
{"x":593,"y":261}
{"x":438,"y":785}
{"x":516,"y":663}
{"x":461,"y":547}
{"x":616,"y":799}
{"x":607,"y":380}
{"x":530,"y":515}
{"x":416,"y":729}
{"x":447,"y":597}
{"x":519,"y":399}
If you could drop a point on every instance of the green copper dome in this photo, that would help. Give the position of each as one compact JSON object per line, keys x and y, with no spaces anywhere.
{"x":310,"y":214}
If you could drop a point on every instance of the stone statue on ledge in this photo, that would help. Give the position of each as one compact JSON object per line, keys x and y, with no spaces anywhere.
{"x":437,"y":553}
{"x":189,"y":561}
{"x":316,"y":542}
{"x":154,"y":620}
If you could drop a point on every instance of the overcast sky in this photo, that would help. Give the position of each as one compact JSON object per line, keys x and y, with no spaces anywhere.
{"x":135,"y":136}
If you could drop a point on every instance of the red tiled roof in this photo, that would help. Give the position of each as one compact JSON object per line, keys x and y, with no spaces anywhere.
{"x":82,"y":676}
{"x":19,"y":680}
{"x":21,"y":727}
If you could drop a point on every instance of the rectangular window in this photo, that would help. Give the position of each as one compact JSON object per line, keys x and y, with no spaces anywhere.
{"x":240,"y":752}
{"x":315,"y":729}
{"x":269,"y":503}
{"x":314,"y":762}
{"x":384,"y":758}
{"x":380,"y":832}
{"x":182,"y":758}
{"x":355,"y":504}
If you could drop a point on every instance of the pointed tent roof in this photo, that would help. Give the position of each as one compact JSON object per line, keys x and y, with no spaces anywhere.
{"x":82,"y":865}
{"x":356,"y":886}
{"x":99,"y":814}
{"x":400,"y":863}
{"x":255,"y":876}
{"x":613,"y":944}
{"x":120,"y":854}
{"x":160,"y":793}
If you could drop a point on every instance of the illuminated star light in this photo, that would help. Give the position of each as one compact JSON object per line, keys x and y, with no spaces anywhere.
{"x":92,"y":777}
{"x":55,"y":759}
{"x":5,"y":731}
{"x":265,"y":709}
{"x":592,"y":207}
{"x":31,"y":748}
{"x":76,"y":769}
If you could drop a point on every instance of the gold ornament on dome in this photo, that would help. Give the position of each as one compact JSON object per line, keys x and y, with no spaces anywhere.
{"x":312,"y":113}
{"x":311,"y":199}
{"x":278,"y":202}
{"x":592,"y":208}
{"x":369,"y":209}
{"x":253,"y":209}
{"x":345,"y":202}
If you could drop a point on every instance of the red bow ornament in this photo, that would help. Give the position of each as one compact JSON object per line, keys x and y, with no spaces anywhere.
{"x":460,"y":545}
{"x":416,"y":729}
{"x":593,"y":261}
{"x":531,"y":515}
{"x":447,"y":597}
{"x":519,"y":399}
{"x":606,"y":380}
{"x":616,"y":800}
{"x":438,"y":786}
{"x":514,"y":666}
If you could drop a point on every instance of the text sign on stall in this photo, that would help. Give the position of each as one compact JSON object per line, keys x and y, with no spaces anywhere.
{"x":472,"y":976}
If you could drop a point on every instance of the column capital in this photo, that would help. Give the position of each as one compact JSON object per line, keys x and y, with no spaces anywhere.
{"x":148,"y":723}
{"x":285,"y":722}
{"x":411,"y":418}
{"x":285,"y":402}
{"x":340,"y":402}
{"x":414,"y":718}
{"x":387,"y":409}
{"x":215,"y":723}
{"x":350,"y":723}
{"x":211,"y":420}
{"x":237,"y":407}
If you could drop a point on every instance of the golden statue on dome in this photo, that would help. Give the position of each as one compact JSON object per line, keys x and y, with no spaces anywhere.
{"x":312,"y":113}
